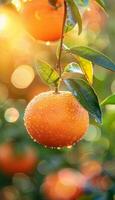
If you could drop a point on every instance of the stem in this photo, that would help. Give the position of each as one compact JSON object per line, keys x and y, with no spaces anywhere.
{"x":58,"y":65}
{"x":53,"y":3}
{"x":61,"y":41}
{"x":56,"y":90}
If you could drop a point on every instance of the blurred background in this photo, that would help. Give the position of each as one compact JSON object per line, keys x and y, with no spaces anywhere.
{"x":29,"y":171}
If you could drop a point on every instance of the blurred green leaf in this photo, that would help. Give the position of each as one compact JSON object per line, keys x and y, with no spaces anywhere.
{"x":82,"y":2}
{"x":101,"y":3}
{"x":74,"y":16}
{"x":94,"y":56}
{"x":109,"y":100}
{"x":47,"y":73}
{"x":86,"y":96}
{"x":70,"y":22}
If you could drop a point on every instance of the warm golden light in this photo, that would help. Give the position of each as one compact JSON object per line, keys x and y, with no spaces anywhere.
{"x":48,"y":43}
{"x":3,"y":21}
{"x":23,"y":76}
{"x":11,"y":115}
{"x":10,"y":23}
{"x":17,"y":4}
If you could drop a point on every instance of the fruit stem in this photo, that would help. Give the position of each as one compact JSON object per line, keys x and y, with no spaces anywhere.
{"x":61,"y":40}
{"x":56,"y":90}
{"x":58,"y":65}
{"x":53,"y":3}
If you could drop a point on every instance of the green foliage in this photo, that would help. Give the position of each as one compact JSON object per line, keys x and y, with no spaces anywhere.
{"x":101,"y":3}
{"x":73,"y":67}
{"x":73,"y":16}
{"x":87,"y":68}
{"x":47,"y":73}
{"x":94,"y":56}
{"x":109,"y":100}
{"x":86,"y":96}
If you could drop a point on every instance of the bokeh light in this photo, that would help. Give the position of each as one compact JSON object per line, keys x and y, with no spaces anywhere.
{"x":10,"y":193}
{"x":64,"y":184}
{"x":23,"y":76}
{"x":93,"y":133}
{"x":91,"y":161}
{"x":3,"y":21}
{"x":23,"y":182}
{"x":17,"y":4}
{"x":48,"y":43}
{"x":11,"y":115}
{"x":91,"y":168}
{"x":10,"y":24}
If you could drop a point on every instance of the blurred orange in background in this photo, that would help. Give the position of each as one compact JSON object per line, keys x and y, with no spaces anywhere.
{"x":94,"y":17}
{"x":13,"y":160}
{"x":66,"y":184}
{"x":91,"y":168}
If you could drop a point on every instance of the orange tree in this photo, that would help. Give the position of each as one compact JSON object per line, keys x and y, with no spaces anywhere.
{"x":54,"y":119}
{"x":59,"y":118}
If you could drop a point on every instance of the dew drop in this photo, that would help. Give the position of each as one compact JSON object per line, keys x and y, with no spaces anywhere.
{"x":69,"y":147}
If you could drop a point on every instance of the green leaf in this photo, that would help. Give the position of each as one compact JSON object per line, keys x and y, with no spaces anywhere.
{"x":75,"y":14}
{"x":70,"y":22}
{"x":87,"y":68}
{"x":94,"y":56}
{"x":109,"y":100}
{"x":86,"y":96}
{"x":82,"y":2}
{"x":47,"y":73}
{"x":72,"y":70}
{"x":101,"y":3}
{"x":73,"y":67}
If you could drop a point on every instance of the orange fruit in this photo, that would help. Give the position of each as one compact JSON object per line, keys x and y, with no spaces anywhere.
{"x":56,"y":120}
{"x":66,"y":184}
{"x":91,"y":168}
{"x":11,"y":162}
{"x":94,"y":17}
{"x":43,"y":21}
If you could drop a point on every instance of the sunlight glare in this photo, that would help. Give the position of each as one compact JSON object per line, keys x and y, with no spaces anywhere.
{"x":3,"y":21}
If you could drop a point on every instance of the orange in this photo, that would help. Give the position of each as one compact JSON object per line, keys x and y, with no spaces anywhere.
{"x":66,"y":184}
{"x":94,"y":17}
{"x":56,"y":120}
{"x":91,"y":168}
{"x":43,"y":21}
{"x":11,"y":163}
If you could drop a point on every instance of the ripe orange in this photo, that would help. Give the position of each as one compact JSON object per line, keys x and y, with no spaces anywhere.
{"x":66,"y":184}
{"x":42,"y":20}
{"x":11,"y":163}
{"x":56,"y":120}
